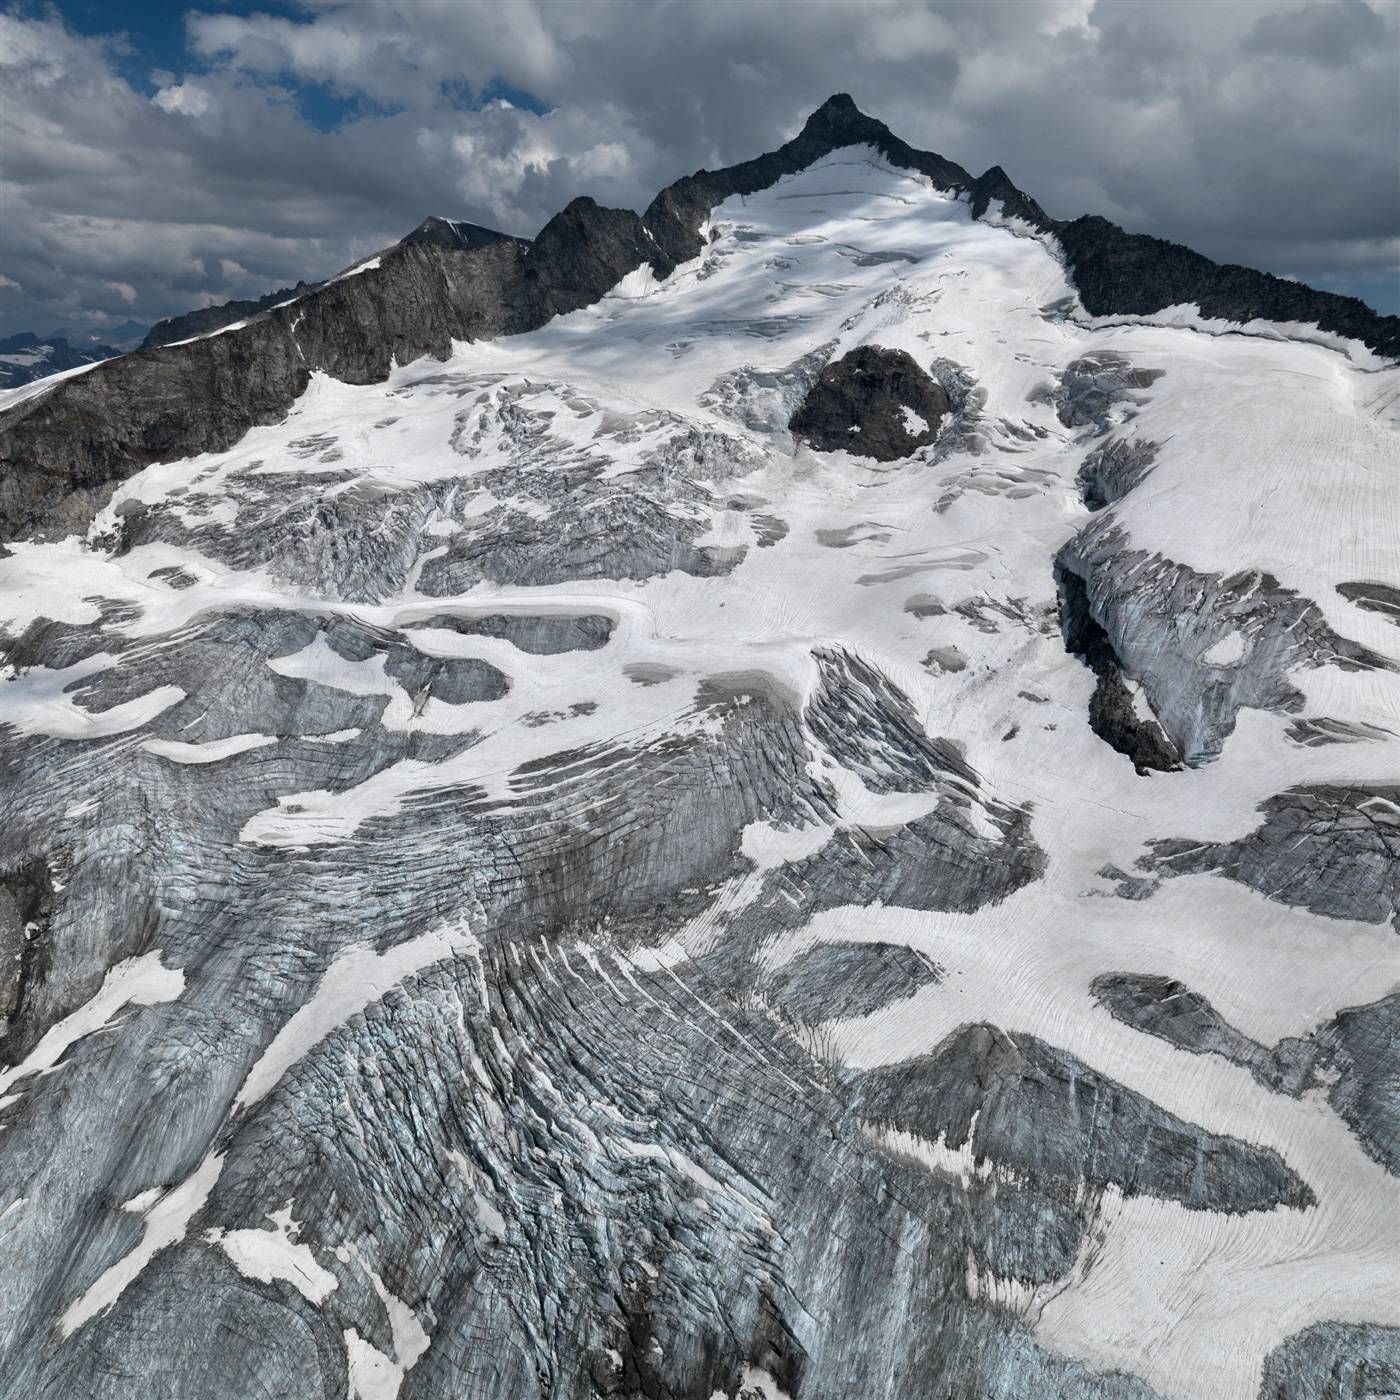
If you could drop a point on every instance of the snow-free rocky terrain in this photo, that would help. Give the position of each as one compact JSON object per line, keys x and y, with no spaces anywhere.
{"x":794,"y":796}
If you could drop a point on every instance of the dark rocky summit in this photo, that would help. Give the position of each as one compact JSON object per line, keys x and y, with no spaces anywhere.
{"x":452,"y":233}
{"x":872,"y":402}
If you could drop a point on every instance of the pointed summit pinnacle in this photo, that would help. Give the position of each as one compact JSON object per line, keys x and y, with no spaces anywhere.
{"x":839,"y":120}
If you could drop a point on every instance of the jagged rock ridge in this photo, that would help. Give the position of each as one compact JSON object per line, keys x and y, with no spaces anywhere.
{"x":450,"y":281}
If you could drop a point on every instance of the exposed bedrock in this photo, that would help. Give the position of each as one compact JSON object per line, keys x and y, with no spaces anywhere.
{"x":1201,"y":646}
{"x":1034,"y":1110}
{"x":1324,"y":847}
{"x":872,"y":402}
{"x":833,"y":980}
{"x":1109,"y":472}
{"x":1132,"y":274}
{"x":1113,"y":715}
{"x":26,"y":908}
{"x":452,"y":233}
{"x":62,"y":451}
{"x":213,"y":318}
{"x":1334,"y":1361}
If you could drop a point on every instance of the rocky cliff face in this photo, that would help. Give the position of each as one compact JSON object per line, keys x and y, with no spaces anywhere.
{"x":208,"y":319}
{"x":546,"y":865}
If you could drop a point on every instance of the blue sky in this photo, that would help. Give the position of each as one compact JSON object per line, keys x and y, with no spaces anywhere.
{"x":155,"y":43}
{"x":159,"y":156}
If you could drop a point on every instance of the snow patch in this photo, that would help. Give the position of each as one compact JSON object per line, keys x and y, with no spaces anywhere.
{"x":1228,"y":651}
{"x":210,"y":752}
{"x":166,"y":1223}
{"x":266,"y":1255}
{"x":355,"y":980}
{"x":139,"y":981}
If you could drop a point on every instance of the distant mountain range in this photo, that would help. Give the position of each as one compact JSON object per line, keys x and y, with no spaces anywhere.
{"x":26,"y":357}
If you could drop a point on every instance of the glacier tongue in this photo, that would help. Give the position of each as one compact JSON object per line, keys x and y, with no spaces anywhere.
{"x":684,"y":913}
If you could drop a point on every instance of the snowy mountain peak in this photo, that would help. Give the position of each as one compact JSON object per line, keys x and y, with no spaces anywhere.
{"x":448,"y":281}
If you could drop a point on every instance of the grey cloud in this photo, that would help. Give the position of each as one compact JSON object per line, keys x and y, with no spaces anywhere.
{"x":1332,"y":34}
{"x":1220,"y":126}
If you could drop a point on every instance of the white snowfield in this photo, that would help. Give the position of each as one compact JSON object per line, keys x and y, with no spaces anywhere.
{"x":1276,"y":453}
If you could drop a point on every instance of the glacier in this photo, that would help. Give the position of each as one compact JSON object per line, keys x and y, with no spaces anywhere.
{"x":551,"y":874}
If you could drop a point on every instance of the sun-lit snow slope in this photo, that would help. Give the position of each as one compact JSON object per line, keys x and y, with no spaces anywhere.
{"x":529,"y":880}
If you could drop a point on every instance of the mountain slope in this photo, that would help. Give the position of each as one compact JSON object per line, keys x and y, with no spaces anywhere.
{"x":818,"y":825}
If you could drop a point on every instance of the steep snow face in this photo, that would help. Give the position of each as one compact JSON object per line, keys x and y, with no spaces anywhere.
{"x":679,"y":911}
